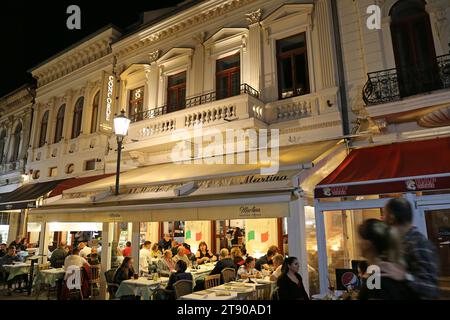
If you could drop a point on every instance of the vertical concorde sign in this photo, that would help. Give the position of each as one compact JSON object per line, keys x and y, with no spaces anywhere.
{"x":109,"y":88}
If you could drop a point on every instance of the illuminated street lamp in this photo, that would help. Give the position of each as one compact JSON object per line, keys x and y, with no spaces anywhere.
{"x":121,"y":124}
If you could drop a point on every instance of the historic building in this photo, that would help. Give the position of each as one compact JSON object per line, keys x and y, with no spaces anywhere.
{"x":71,"y":124}
{"x":310,"y":77}
{"x":15,"y":122}
{"x":397,"y":85}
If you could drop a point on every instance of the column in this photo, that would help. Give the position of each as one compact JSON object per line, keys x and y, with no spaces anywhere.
{"x":254,"y":50}
{"x":324,"y":56}
{"x":321,"y":248}
{"x":68,"y":116}
{"x":198,"y":61}
{"x":135,"y":237}
{"x":13,"y":232}
{"x":26,"y":133}
{"x":107,"y":240}
{"x":297,"y":238}
{"x":44,"y":241}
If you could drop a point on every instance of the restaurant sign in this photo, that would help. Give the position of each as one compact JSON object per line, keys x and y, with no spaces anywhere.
{"x":107,"y":102}
{"x":384,"y":187}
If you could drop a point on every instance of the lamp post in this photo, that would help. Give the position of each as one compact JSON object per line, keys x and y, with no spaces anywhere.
{"x":121,"y":124}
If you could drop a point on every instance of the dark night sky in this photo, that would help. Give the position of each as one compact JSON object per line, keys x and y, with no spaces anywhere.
{"x":33,"y":31}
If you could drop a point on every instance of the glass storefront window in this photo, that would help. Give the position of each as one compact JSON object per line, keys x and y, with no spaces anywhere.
{"x":311,"y":249}
{"x":343,"y":242}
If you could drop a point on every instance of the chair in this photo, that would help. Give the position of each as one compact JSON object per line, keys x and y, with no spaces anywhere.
{"x":212,"y":281}
{"x":263,"y":291}
{"x":228,"y":274}
{"x":111,"y":286}
{"x":94,"y":282}
{"x":182,"y":288}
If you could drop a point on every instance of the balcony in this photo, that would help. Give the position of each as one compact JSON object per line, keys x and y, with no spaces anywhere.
{"x":395,"y":84}
{"x":195,"y":101}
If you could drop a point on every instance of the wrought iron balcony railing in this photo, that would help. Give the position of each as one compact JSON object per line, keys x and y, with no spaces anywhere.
{"x":394,"y":84}
{"x":196,"y":101}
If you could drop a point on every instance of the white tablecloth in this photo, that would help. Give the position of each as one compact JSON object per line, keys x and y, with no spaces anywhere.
{"x":49,"y":276}
{"x":15,"y":270}
{"x":140,"y":287}
{"x":209,"y":295}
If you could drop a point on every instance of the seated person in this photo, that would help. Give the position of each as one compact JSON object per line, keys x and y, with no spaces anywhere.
{"x":181,"y":255}
{"x":248,"y":269}
{"x":166,"y":265}
{"x":155,"y":252}
{"x":84,"y":249}
{"x":59,"y":255}
{"x":125,"y":271}
{"x":179,"y":274}
{"x":174,"y":247}
{"x":236,"y":255}
{"x":203,"y":255}
{"x":278,"y":261}
{"x":265,"y":260}
{"x":224,"y":262}
{"x":3,"y":249}
{"x":93,"y":258}
{"x":75,"y":260}
{"x":7,"y":259}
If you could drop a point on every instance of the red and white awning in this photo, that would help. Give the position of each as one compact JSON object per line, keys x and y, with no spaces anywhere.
{"x":398,"y":167}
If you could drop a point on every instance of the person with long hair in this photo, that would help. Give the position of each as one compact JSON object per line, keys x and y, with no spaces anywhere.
{"x":203,"y":255}
{"x":381,"y":245}
{"x":125,"y":271}
{"x":290,"y":283}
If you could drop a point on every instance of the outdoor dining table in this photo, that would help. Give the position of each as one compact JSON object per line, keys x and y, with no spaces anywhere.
{"x":211,"y":295}
{"x":142,"y":287}
{"x":201,"y":272}
{"x":49,"y":276}
{"x":241,"y":289}
{"x":17,"y":269}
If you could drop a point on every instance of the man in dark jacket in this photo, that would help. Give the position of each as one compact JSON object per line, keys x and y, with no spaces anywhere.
{"x":59,"y":255}
{"x":265,"y":261}
{"x":224,"y":262}
{"x":420,"y":254}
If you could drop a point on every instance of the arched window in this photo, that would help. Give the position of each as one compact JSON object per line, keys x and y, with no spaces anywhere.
{"x":94,"y":117}
{"x":415,"y":55}
{"x":43,"y":133}
{"x":16,"y":143}
{"x":2,"y":145}
{"x":77,"y":117}
{"x":60,"y":123}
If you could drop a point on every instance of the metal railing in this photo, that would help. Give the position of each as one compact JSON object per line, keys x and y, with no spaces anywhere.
{"x":397,"y":83}
{"x":196,"y":101}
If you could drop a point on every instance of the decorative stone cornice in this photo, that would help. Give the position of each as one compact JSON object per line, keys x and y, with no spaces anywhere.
{"x":75,"y":58}
{"x":254,"y":16}
{"x":164,"y":32}
{"x":19,"y":98}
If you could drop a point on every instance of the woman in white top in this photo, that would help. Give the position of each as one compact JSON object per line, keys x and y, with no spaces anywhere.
{"x":248,"y":269}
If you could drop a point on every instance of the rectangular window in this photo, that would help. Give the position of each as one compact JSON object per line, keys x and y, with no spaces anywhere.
{"x":136,"y":104}
{"x":228,"y":76}
{"x":53,"y":172}
{"x":176,"y":92}
{"x":89,"y":165}
{"x":293,"y":78}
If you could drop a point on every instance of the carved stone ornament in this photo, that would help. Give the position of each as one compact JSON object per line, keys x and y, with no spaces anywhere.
{"x":253,"y":17}
{"x":153,"y":56}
